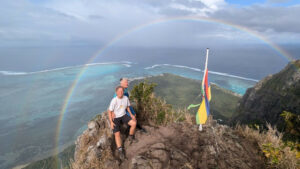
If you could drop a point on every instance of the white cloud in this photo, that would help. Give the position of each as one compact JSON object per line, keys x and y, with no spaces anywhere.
{"x":213,"y":4}
{"x":278,"y":1}
{"x":263,"y":18}
{"x":185,"y":8}
{"x":100,"y":21}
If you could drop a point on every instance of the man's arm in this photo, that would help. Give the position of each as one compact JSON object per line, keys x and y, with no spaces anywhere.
{"x":111,"y":113}
{"x":110,"y":116}
{"x":131,"y":115}
{"x":128,"y":109}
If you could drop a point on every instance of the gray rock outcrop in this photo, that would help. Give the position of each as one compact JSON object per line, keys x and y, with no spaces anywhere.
{"x":178,"y":145}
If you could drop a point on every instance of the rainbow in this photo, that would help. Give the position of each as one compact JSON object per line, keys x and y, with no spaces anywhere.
{"x":122,"y":35}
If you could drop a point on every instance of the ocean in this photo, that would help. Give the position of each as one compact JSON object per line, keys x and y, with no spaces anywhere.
{"x":32,"y":122}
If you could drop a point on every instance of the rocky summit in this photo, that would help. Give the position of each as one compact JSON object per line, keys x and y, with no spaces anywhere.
{"x":176,"y":145}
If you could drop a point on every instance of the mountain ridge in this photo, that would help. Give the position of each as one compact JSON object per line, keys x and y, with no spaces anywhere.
{"x":270,"y":97}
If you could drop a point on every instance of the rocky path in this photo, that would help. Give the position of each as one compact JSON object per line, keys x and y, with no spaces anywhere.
{"x":183,"y":146}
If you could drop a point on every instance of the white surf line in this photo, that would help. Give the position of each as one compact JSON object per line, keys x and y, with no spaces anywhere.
{"x":199,"y":70}
{"x":127,"y":65}
{"x":124,"y":63}
{"x":180,"y":66}
{"x":234,"y":76}
{"x":12,"y":73}
{"x":143,"y":77}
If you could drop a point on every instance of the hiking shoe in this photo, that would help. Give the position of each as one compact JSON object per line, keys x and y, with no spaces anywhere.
{"x":121,"y":153}
{"x":132,"y":139}
{"x":143,"y":130}
{"x":140,"y":128}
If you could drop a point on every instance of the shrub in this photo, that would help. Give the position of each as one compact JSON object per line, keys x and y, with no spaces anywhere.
{"x":152,"y":109}
{"x":291,"y":126}
{"x":277,"y":152}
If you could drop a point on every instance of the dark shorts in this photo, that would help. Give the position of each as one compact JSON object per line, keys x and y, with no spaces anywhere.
{"x":118,"y":121}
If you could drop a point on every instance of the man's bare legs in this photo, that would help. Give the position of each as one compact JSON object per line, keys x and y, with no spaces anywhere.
{"x":118,"y":139}
{"x":119,"y":145}
{"x":132,"y":124}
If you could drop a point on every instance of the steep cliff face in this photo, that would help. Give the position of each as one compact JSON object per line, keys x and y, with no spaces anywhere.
{"x":177,"y":145}
{"x":271,"y":96}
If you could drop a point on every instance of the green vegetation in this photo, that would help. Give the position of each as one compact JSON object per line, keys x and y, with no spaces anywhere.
{"x":282,"y":150}
{"x":152,"y":109}
{"x":270,"y":97}
{"x":291,"y":127}
{"x":180,"y":92}
{"x":273,"y":100}
{"x":278,"y":153}
{"x":278,"y":81}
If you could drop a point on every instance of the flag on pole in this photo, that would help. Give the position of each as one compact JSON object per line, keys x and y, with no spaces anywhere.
{"x":203,"y":110}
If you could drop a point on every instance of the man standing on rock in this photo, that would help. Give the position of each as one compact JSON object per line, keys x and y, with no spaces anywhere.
{"x":117,"y":114}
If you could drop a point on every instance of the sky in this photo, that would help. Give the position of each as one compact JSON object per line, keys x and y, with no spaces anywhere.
{"x":77,"y":22}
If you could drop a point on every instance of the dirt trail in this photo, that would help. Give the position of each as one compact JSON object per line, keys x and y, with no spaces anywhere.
{"x":145,"y":140}
{"x":183,"y":146}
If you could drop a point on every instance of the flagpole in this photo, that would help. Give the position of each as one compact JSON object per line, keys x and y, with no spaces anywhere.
{"x":207,"y":51}
{"x":200,"y":127}
{"x":206,"y":60}
{"x":205,"y":67}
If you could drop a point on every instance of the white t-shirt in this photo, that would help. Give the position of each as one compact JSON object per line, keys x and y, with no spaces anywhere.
{"x":119,"y":106}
